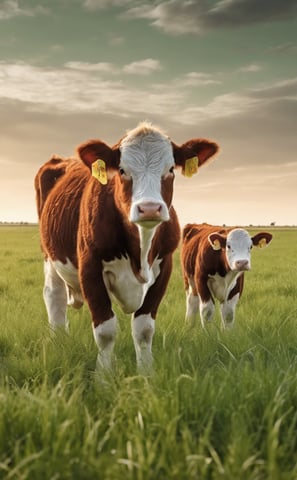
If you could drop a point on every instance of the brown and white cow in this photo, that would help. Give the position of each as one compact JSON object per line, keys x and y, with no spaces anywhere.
{"x":108,"y":231}
{"x":214,"y":260}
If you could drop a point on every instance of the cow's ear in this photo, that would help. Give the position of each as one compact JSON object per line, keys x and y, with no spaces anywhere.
{"x":193,"y":154}
{"x":94,"y":150}
{"x":217,"y":241}
{"x":261,"y":239}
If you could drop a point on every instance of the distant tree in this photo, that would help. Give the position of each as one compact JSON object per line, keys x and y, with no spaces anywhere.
{"x":272,"y":224}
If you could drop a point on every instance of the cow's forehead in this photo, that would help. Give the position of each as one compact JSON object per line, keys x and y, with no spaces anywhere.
{"x":239,"y":237}
{"x":149,"y":149}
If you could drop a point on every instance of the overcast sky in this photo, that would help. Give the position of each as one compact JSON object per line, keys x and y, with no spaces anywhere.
{"x":226,"y":70}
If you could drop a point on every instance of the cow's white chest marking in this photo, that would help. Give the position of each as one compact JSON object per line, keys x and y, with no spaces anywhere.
{"x":124,"y":287}
{"x":220,"y":287}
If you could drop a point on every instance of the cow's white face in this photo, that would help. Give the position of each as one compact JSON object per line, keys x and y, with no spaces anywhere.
{"x":236,"y":247}
{"x":238,"y":250}
{"x":146,"y":174}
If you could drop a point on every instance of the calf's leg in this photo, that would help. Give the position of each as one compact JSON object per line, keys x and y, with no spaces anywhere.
{"x":207,"y":309}
{"x":228,"y":311}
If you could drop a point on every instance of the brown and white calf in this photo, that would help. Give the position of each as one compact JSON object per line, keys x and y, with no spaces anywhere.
{"x":214,"y":260}
{"x":108,"y":231}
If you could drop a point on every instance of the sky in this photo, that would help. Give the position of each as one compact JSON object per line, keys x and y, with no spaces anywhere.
{"x":225,"y":70}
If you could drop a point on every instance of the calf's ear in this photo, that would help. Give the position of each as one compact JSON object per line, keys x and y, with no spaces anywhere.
{"x":193,"y":154}
{"x":217,"y":241}
{"x":94,"y":150}
{"x":261,"y":239}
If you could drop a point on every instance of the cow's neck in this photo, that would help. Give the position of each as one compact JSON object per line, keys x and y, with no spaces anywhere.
{"x":146,"y":236}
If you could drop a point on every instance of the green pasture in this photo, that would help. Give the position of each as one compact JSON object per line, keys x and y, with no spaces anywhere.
{"x":219,"y":404}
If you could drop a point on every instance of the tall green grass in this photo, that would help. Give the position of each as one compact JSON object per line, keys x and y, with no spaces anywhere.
{"x":219,"y":405}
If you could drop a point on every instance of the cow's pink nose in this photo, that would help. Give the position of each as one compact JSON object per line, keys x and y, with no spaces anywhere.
{"x":242,"y":265}
{"x":149,"y":210}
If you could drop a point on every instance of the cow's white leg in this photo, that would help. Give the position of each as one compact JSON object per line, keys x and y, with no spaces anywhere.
{"x":192,"y":306}
{"x":228,"y":311}
{"x":55,"y":297}
{"x":206,"y":311}
{"x":143,"y":328}
{"x":104,"y":335}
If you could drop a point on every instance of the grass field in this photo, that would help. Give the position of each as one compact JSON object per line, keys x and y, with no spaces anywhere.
{"x":219,"y":405}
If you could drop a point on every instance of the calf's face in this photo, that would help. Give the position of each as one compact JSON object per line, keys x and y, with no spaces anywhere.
{"x":237,"y":245}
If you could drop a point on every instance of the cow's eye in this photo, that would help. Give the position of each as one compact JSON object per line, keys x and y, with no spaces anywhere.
{"x":228,"y":247}
{"x":171,"y":170}
{"x":122,"y":171}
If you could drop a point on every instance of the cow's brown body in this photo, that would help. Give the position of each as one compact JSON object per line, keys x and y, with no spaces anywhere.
{"x":105,"y":242}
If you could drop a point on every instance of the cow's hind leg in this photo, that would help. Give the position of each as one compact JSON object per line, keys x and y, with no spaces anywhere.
{"x":55,"y":297}
{"x":192,"y":303}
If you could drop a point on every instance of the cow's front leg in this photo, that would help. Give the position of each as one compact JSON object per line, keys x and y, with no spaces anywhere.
{"x":104,"y":335}
{"x":103,"y":318}
{"x":143,"y":328}
{"x":228,"y":311}
{"x":143,"y":321}
{"x":55,"y":297}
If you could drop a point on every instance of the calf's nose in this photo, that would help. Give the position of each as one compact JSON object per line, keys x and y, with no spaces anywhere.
{"x":242,"y":265}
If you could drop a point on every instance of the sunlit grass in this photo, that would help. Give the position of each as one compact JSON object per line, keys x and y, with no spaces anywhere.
{"x":218,"y":404}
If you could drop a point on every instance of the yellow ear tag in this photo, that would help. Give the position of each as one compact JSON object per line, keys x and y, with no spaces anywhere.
{"x":99,"y":171}
{"x":191,"y":166}
{"x":216,"y":245}
{"x":262,"y":243}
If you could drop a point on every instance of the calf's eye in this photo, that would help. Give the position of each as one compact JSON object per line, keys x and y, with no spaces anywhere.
{"x":122,"y":171}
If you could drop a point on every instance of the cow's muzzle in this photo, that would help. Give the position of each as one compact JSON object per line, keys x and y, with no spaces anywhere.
{"x":149,"y":214}
{"x":242,"y":265}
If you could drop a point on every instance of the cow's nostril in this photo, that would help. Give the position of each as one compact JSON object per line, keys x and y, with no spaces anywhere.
{"x":242,"y":264}
{"x":149,"y":209}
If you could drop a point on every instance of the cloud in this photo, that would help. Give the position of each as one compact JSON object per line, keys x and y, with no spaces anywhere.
{"x":194,"y":79}
{"x":101,"y":67}
{"x":252,"y":68}
{"x":100,"y":4}
{"x":11,"y":8}
{"x":183,"y":16}
{"x":142,"y":67}
{"x":241,"y":104}
{"x":82,"y":90}
{"x":116,"y":40}
{"x":283,"y":48}
{"x":81,"y":87}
